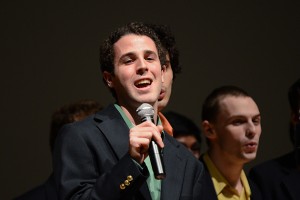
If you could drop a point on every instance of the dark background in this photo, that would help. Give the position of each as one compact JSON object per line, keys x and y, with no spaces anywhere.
{"x":49,"y":57}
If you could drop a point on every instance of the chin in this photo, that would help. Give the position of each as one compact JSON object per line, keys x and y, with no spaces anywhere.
{"x":161,"y":105}
{"x":250,"y":156}
{"x":147,"y":100}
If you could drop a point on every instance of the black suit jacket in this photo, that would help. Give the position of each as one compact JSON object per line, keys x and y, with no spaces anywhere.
{"x":91,"y":160}
{"x":208,"y":190}
{"x":278,"y":179}
{"x":45,"y":191}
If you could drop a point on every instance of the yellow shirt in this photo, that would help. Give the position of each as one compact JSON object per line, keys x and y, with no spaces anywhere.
{"x":223,"y":189}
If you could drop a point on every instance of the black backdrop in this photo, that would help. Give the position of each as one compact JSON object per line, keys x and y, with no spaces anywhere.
{"x":49,"y":57}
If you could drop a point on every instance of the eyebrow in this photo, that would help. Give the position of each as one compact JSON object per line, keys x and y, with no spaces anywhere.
{"x":127,"y":54}
{"x":258,"y":115}
{"x":133,"y":53}
{"x":237,"y":116}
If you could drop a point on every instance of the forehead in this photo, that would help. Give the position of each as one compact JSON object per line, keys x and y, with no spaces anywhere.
{"x":134,"y":43}
{"x":186,"y":138}
{"x":238,"y":106}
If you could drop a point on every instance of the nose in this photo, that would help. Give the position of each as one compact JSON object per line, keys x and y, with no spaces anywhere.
{"x":250,"y":130}
{"x":142,"y":66}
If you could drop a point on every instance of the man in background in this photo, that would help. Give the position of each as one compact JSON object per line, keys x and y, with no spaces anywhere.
{"x":190,"y":136}
{"x":231,"y":125}
{"x":66,"y":114}
{"x":185,"y":131}
{"x":172,"y":66}
{"x":279,"y":178}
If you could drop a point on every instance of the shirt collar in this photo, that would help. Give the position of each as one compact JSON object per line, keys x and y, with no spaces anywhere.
{"x":166,"y":124}
{"x":218,"y":179}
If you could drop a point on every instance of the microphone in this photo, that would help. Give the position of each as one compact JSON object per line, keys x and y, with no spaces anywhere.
{"x":146,"y":113}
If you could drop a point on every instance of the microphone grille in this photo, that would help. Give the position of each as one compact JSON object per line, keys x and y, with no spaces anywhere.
{"x":145,"y":110}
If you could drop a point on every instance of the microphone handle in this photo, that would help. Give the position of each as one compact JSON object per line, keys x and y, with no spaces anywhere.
{"x":156,"y":156}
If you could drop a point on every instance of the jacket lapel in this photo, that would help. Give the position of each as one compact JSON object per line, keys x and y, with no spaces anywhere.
{"x":208,"y":190}
{"x":114,"y":129}
{"x":174,"y":172}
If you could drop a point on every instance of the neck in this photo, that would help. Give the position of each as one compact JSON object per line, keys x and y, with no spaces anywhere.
{"x":230,"y":170}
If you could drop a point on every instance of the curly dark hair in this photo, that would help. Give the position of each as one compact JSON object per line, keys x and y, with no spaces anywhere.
{"x":167,"y":40}
{"x":107,"y":48}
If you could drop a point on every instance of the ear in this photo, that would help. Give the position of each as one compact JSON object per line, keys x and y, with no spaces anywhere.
{"x":108,"y":77}
{"x":208,"y":129}
{"x":163,"y":70}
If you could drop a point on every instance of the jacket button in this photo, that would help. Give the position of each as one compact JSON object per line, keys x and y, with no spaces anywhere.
{"x":122,"y":186}
{"x":126,"y":182}
{"x":129,"y":178}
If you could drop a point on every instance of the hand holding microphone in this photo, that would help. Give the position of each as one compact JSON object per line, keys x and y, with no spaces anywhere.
{"x":139,"y":141}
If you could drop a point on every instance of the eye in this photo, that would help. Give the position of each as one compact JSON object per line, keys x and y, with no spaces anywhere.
{"x":150,"y":58}
{"x":237,"y":122}
{"x":127,"y":60}
{"x":256,"y":121}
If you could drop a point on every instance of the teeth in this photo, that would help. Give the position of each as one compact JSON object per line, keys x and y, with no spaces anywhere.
{"x":143,"y":82}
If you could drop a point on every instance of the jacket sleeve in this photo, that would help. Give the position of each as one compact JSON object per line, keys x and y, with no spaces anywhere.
{"x":82,"y":172}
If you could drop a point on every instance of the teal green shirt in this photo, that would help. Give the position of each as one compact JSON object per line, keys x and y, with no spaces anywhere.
{"x":154,"y":185}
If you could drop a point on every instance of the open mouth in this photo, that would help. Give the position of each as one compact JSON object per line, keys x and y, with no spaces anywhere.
{"x":251,"y":144}
{"x":143,"y":83}
{"x":250,"y":147}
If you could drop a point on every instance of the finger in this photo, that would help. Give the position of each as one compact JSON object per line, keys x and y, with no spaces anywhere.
{"x":157,"y":136}
{"x":148,"y":130}
{"x":141,"y":145}
{"x":138,"y":148}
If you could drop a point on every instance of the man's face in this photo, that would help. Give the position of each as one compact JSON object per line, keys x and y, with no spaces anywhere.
{"x":191,"y":143}
{"x":138,"y":74}
{"x":166,"y":86}
{"x":237,"y":129}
